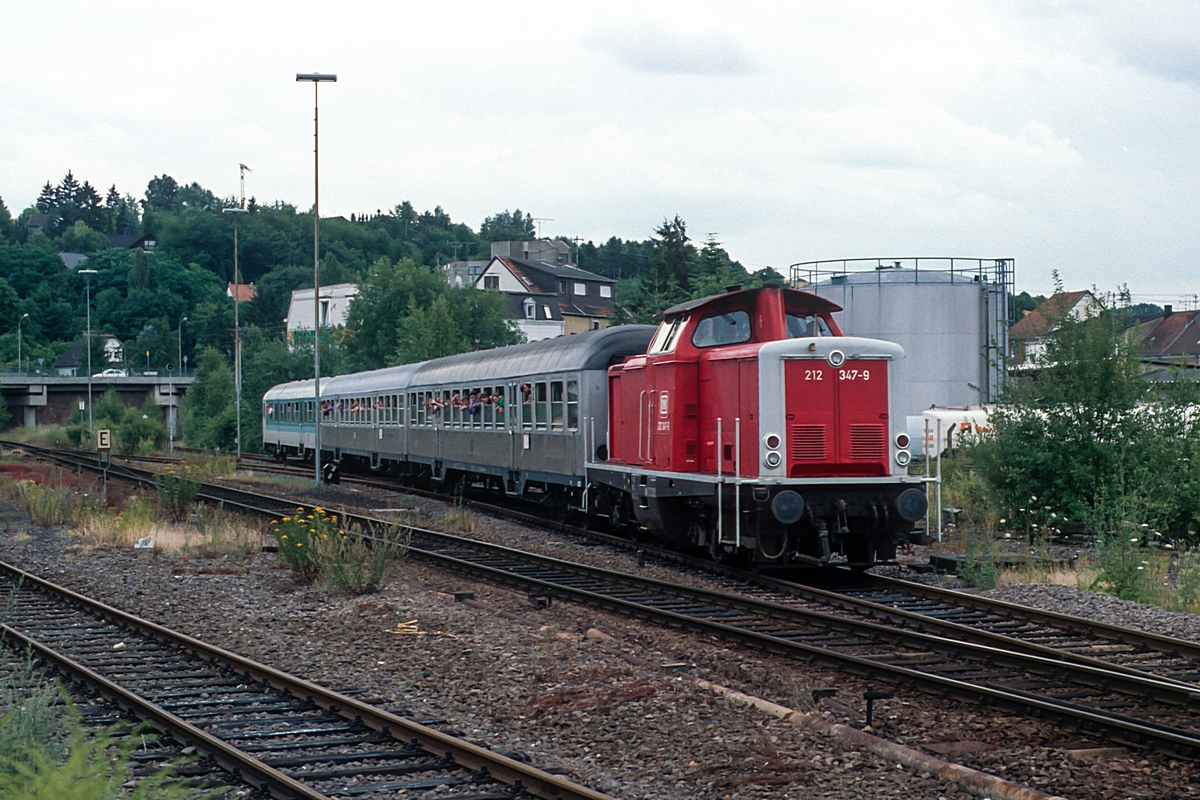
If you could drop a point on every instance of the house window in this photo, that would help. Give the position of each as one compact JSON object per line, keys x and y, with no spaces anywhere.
{"x":324,"y":312}
{"x":491,"y":281}
{"x":606,"y":291}
{"x":562,"y":286}
{"x":549,"y":315}
{"x":530,"y":308}
{"x":580,"y":289}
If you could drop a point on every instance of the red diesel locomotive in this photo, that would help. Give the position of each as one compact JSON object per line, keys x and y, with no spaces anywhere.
{"x":752,"y":426}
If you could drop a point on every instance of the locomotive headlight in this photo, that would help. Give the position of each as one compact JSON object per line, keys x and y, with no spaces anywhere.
{"x":773,"y":459}
{"x":902,"y":441}
{"x":772,"y":441}
{"x":902,"y":458}
{"x":836,"y":358}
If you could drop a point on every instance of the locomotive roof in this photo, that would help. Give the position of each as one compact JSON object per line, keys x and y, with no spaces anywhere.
{"x":376,"y":380}
{"x":296,"y":390}
{"x":793,"y":297}
{"x":592,"y":350}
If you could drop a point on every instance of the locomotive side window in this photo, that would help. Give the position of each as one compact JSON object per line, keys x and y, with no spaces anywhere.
{"x":573,"y":405}
{"x":730,"y":327}
{"x":557,"y":405}
{"x":540,"y":411}
{"x":801,"y":325}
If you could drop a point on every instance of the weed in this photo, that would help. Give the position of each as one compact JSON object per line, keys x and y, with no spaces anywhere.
{"x":354,"y":563}
{"x":45,"y":505}
{"x":1187,"y":581}
{"x":1127,"y":569}
{"x":977,"y":564}
{"x":177,"y":490}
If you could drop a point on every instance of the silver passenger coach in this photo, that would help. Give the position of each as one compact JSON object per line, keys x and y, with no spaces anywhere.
{"x":525,"y":419}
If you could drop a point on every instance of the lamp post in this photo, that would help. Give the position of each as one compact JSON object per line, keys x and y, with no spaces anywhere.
{"x":88,"y":341}
{"x":22,"y":319}
{"x":316,"y":79}
{"x":237,"y":329}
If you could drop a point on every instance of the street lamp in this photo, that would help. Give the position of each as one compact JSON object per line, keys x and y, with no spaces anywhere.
{"x":316,"y":79}
{"x":88,"y":341}
{"x":237,"y":329}
{"x":22,"y":319}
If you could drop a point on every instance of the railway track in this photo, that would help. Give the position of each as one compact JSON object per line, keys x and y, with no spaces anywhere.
{"x":914,"y":606}
{"x":285,"y":736}
{"x":1127,"y":704}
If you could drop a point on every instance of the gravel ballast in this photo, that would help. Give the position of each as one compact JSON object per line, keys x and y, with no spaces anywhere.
{"x":567,"y":687}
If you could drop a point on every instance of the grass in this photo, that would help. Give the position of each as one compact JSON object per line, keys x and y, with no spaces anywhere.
{"x":44,"y":435}
{"x":207,"y":532}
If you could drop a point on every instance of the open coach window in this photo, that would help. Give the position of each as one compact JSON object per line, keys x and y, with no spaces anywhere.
{"x":801,"y":325}
{"x":730,"y":327}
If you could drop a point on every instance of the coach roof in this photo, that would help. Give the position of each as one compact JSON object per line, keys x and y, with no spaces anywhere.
{"x":592,"y":350}
{"x":377,"y":381}
{"x":296,"y":390}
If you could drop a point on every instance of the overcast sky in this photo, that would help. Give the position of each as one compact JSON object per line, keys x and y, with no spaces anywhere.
{"x":1060,"y":134}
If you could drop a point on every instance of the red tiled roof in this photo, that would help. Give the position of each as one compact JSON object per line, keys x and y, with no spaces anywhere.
{"x":1045,"y":317}
{"x":241,"y":292}
{"x":1175,"y":335}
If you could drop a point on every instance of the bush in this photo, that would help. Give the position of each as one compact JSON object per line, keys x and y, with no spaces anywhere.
{"x":177,"y":490}
{"x":294,"y":536}
{"x":1094,"y":440}
{"x":1128,"y":569}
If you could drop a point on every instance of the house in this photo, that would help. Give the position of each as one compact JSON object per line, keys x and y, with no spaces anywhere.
{"x":547,"y":296}
{"x":73,"y":363}
{"x":335,"y":303}
{"x":1168,"y":340}
{"x":463,"y":273}
{"x":132,"y":241}
{"x":72,"y":260}
{"x":243,"y":292}
{"x":1028,"y":336}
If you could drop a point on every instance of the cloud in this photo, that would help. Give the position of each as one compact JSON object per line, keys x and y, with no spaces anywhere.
{"x":655,"y":49}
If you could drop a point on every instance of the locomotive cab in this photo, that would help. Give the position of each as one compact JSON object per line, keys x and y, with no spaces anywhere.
{"x":752,"y":426}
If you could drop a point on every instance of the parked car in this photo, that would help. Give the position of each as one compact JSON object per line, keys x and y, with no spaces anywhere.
{"x":112,"y":372}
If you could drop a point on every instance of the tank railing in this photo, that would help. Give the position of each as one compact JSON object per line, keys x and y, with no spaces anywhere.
{"x":737,"y":484}
{"x":641,"y":414}
{"x":974,"y":270}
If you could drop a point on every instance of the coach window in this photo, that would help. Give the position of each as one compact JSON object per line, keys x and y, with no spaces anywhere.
{"x":487,"y":410}
{"x":730,"y":327}
{"x":308,"y":410}
{"x":573,"y":405}
{"x":556,"y":405}
{"x":541,"y":401}
{"x":667,"y":336}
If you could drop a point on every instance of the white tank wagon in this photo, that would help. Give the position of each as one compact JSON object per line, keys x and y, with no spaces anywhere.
{"x":950,"y":315}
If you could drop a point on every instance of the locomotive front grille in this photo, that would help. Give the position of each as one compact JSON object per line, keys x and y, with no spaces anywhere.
{"x":807,"y":442}
{"x":868,"y":442}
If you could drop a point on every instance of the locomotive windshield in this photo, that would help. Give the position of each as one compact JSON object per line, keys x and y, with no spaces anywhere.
{"x":729,"y":327}
{"x":667,"y":335}
{"x":801,"y":325}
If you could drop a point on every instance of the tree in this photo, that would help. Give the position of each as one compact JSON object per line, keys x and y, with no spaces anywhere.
{"x":79,"y":238}
{"x":6,"y":224}
{"x":372,"y":321}
{"x":142,"y":429}
{"x":508,"y":226}
{"x":161,"y":193}
{"x":428,"y":332}
{"x":672,"y":256}
{"x":208,"y":416}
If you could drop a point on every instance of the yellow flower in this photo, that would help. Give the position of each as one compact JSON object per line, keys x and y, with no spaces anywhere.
{"x":284,"y":536}
{"x":319,"y":511}
{"x":324,"y":535}
{"x":299,"y":544}
{"x":333,"y":519}
{"x":309,"y":516}
{"x":287,"y":519}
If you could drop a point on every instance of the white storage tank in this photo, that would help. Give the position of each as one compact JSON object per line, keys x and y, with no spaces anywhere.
{"x":949,"y":314}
